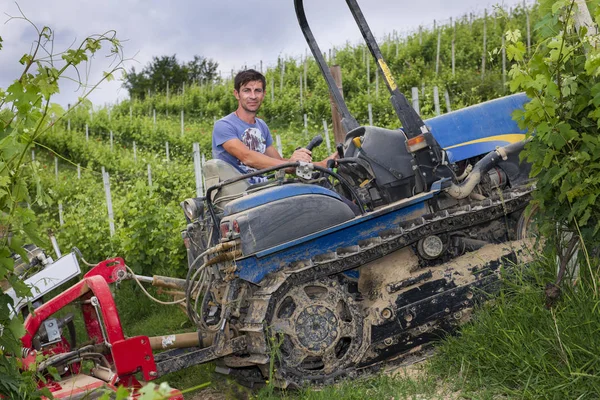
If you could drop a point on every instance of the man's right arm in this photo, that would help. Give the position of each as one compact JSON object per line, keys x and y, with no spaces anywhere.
{"x":257,"y":160}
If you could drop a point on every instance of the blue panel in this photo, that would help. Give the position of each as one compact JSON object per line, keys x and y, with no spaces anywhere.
{"x":492,"y":118}
{"x":418,"y":199}
{"x":474,"y":149}
{"x":275,"y":193}
{"x":353,"y":273}
{"x":255,"y":268}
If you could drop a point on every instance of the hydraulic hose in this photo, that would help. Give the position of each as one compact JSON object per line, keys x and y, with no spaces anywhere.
{"x":463,"y":189}
{"x":202,"y":285}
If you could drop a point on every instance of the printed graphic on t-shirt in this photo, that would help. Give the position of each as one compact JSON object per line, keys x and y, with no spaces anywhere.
{"x":253,"y":139}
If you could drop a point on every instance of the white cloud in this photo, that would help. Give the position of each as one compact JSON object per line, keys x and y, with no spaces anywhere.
{"x":232,"y":32}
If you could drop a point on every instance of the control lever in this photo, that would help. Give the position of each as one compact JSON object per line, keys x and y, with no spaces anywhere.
{"x":340,"y":150}
{"x":316,"y":141}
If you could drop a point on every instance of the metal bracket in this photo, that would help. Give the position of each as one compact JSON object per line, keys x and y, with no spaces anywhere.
{"x":280,"y":175}
{"x":51,"y":325}
{"x":178,"y":360}
{"x":96,"y":305}
{"x":501,"y":151}
{"x":304,"y":170}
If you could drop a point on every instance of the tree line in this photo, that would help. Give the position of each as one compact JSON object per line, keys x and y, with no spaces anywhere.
{"x":167,"y":73}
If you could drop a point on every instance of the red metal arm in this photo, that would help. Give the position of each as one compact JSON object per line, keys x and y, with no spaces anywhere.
{"x":129,"y":355}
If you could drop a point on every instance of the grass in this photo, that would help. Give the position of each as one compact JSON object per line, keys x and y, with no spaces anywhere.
{"x":377,"y":387}
{"x":518,"y":348}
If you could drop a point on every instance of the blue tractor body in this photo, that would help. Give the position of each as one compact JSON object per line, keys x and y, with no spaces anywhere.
{"x":298,"y":221}
{"x":479,"y":129}
{"x":258,"y":265}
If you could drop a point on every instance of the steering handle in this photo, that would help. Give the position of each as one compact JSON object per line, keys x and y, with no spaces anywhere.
{"x":317,"y":140}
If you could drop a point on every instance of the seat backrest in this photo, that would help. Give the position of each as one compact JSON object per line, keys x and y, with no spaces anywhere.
{"x":216,"y":171}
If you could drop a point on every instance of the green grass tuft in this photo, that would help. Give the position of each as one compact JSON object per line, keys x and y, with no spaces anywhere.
{"x":378,"y":387}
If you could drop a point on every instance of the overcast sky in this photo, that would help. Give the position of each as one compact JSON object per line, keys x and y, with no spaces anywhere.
{"x":231,"y":32}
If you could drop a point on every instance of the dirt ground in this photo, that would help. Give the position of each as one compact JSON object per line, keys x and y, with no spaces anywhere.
{"x":413,"y":368}
{"x":416,"y":370}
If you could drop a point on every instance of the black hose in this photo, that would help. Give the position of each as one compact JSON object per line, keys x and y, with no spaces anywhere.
{"x":73,"y":356}
{"x":188,"y":290}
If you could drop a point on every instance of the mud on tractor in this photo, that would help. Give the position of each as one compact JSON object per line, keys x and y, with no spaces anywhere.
{"x":345,"y":267}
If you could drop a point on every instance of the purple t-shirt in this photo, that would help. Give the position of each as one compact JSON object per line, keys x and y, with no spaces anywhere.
{"x":256,"y":137}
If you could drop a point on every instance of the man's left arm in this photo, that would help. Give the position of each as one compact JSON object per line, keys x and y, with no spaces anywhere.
{"x":272,"y":152}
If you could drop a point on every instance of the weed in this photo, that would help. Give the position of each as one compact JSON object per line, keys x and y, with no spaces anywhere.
{"x":275,"y":343}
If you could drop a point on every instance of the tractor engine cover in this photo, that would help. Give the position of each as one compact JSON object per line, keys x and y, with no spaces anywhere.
{"x":284,"y":213}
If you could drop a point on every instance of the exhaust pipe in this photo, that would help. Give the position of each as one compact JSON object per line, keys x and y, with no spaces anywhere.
{"x":463,"y":189}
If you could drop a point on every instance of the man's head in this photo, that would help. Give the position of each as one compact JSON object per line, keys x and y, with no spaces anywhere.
{"x":249,"y":90}
{"x":246,"y":76}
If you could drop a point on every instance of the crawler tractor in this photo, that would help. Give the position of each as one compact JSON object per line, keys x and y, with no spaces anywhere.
{"x":336,"y":271}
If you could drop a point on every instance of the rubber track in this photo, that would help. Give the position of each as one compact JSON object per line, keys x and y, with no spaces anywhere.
{"x":407,"y":233}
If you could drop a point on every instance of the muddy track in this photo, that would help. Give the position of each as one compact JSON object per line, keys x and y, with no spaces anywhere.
{"x":264,"y":301}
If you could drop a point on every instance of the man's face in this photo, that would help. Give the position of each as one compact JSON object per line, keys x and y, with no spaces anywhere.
{"x":250,"y":96}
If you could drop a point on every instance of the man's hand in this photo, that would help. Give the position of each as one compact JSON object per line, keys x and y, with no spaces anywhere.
{"x":303,"y":155}
{"x":323,"y":163}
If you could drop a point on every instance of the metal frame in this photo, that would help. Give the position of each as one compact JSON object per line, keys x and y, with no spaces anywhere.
{"x":412,"y":123}
{"x":102,"y":321}
{"x":51,"y":277}
{"x":103,"y":325}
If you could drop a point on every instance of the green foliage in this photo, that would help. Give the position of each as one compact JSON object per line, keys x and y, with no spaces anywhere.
{"x":153,"y":391}
{"x":121,"y":394}
{"x":562,"y":80}
{"x":516,"y":347}
{"x":411,"y":62}
{"x":147,"y":219}
{"x":24,"y":117}
{"x":149,"y":233}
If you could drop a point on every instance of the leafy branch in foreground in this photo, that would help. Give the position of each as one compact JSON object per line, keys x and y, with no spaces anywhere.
{"x":563,"y":119}
{"x":25,"y":111}
{"x":516,"y":347}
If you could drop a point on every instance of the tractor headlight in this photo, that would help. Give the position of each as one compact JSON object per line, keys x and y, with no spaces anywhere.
{"x":193,"y":208}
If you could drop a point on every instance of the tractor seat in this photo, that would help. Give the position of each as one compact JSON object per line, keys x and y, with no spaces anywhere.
{"x":216,"y":171}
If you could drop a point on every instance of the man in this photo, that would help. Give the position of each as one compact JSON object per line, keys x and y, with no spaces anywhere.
{"x":243,"y":140}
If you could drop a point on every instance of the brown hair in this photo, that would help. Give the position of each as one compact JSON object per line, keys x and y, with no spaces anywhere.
{"x":246,"y":76}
